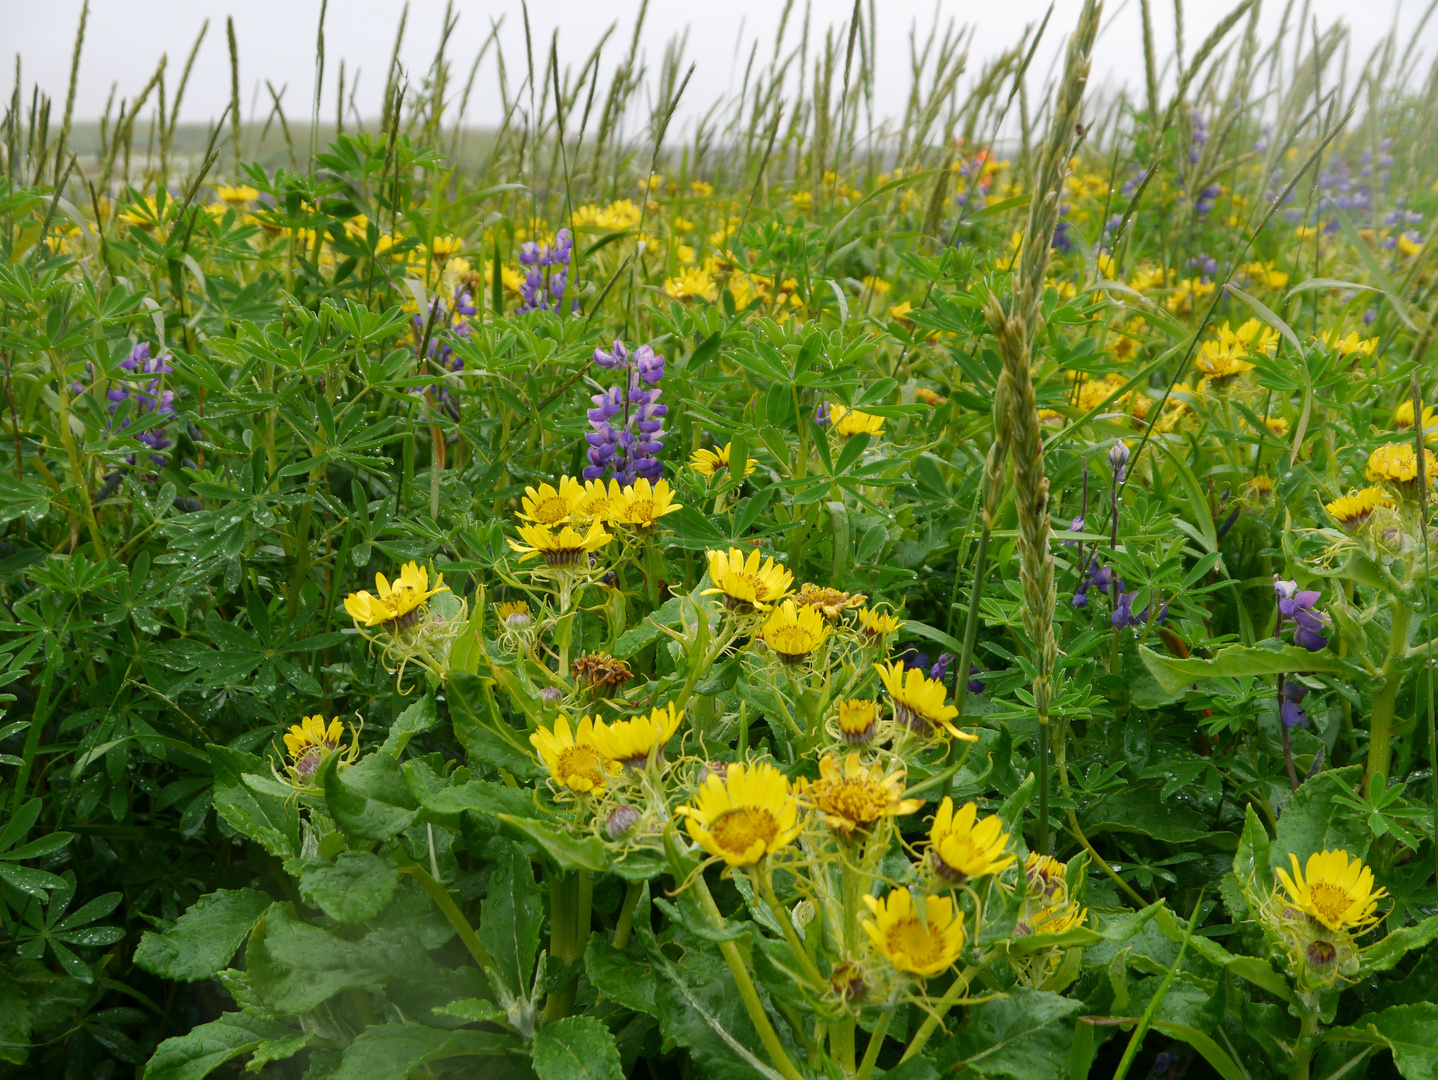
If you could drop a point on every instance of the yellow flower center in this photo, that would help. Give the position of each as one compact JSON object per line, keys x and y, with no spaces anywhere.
{"x":858,"y":800}
{"x":1331,"y":901}
{"x":922,"y":946}
{"x":581,"y":763}
{"x":641,"y":510}
{"x":956,"y":856}
{"x":738,"y":829}
{"x":551,"y":510}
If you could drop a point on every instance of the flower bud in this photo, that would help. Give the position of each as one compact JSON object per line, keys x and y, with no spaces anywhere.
{"x":551,"y":695}
{"x":621,"y":822}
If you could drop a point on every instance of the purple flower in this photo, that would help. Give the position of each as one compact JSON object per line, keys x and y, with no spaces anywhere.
{"x":147,"y":395}
{"x":1298,"y":604}
{"x":630,"y":448}
{"x":976,"y":686}
{"x":1291,"y":711}
{"x":940,"y":670}
{"x":546,"y":275}
{"x":1076,"y":526}
{"x":1118,"y":455}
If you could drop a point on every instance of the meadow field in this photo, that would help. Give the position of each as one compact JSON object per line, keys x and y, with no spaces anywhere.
{"x":771,"y":591}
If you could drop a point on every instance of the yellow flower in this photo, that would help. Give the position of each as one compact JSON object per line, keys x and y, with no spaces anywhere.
{"x":632,"y":742}
{"x":238,"y":195}
{"x":1186,"y":292}
{"x":572,"y":759}
{"x":849,"y":422}
{"x":569,"y":548}
{"x":919,"y":701}
{"x":144,"y":214}
{"x":1147,"y":278}
{"x":1276,"y":425}
{"x":398,"y":605}
{"x":701,"y":187}
{"x":517,"y":610}
{"x":311,"y":741}
{"x":878,"y":624}
{"x":1353,"y":510}
{"x":745,"y":816}
{"x":1055,"y":919}
{"x":858,"y":720}
{"x":599,"y":503}
{"x":442,"y":247}
{"x":921,"y":942}
{"x":1348,"y":346}
{"x":1398,"y":464}
{"x":793,"y":632}
{"x":830,"y":603}
{"x":692,"y":283}
{"x":642,"y":504}
{"x":1408,"y":246}
{"x":708,"y":462}
{"x":1047,"y":877}
{"x":901,"y":311}
{"x":876,"y":284}
{"x":1334,"y":890}
{"x":621,"y":214}
{"x":855,"y":796}
{"x":1260,"y":487}
{"x":549,"y":506}
{"x":1403,"y":420}
{"x":1265,"y":274}
{"x":962,"y":848}
{"x":929,"y":397}
{"x":746,"y":585}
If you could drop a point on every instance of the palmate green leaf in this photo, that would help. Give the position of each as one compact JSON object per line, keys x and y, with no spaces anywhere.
{"x":510,"y":916}
{"x":1173,"y":674}
{"x":353,"y":889}
{"x":204,"y":1049}
{"x":576,"y":1048}
{"x":1025,"y":1036}
{"x":1410,"y":1031}
{"x":204,"y":939}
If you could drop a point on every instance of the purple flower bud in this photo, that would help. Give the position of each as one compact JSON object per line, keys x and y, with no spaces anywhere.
{"x":621,"y":822}
{"x":976,"y":686}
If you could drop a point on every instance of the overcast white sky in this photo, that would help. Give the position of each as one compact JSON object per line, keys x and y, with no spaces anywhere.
{"x":277,"y":41}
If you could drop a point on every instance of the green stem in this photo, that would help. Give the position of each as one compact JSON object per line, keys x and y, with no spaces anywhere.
{"x":1380,"y":722}
{"x":957,"y":990}
{"x":745,"y":984}
{"x":625,"y":925}
{"x":1307,"y":1043}
{"x":450,"y":910}
{"x":765,"y":880}
{"x":39,"y":716}
{"x":876,"y":1042}
{"x":1146,"y":1020}
{"x":564,"y":905}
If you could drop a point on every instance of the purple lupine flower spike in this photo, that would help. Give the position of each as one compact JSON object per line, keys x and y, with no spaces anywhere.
{"x":629,"y":449}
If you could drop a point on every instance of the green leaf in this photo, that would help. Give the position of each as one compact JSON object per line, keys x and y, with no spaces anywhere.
{"x":419,"y":717}
{"x":1313,"y":821}
{"x":1252,"y":968}
{"x":295,"y":967}
{"x":576,"y":1048}
{"x":510,"y":916}
{"x":1387,"y":951}
{"x":201,"y":1050}
{"x":1025,"y":1036}
{"x":390,"y":1051}
{"x":1212,"y":1053}
{"x":204,"y":939}
{"x":270,"y":821}
{"x":620,"y":976}
{"x":1253,"y":861}
{"x":563,"y":850}
{"x":1174,"y":674}
{"x":354,"y":888}
{"x":1410,"y":1031}
{"x":369,"y":800}
{"x":473,"y":1010}
{"x":484,"y":797}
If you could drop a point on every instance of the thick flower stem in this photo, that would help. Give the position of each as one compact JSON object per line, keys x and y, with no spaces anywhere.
{"x":570,"y":908}
{"x":764,"y":879}
{"x":921,"y":1037}
{"x":876,"y":1042}
{"x":625,"y":926}
{"x":450,"y":910}
{"x":1380,"y":722}
{"x":1303,"y":1052}
{"x":745,"y":984}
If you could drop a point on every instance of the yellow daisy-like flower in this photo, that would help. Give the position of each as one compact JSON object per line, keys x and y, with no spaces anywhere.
{"x":633,"y":742}
{"x":1351,"y":511}
{"x":1265,"y":274}
{"x":399,"y":604}
{"x":1276,"y":425}
{"x":236,"y":195}
{"x":642,"y":504}
{"x":858,"y":720}
{"x":878,"y":624}
{"x":1047,"y":877}
{"x":1407,"y":246}
{"x":1351,"y":344}
{"x":1055,"y":919}
{"x":918,"y":701}
{"x":144,"y":214}
{"x":708,"y":462}
{"x":517,"y":610}
{"x":855,"y":796}
{"x":745,"y":584}
{"x":1403,"y":420}
{"x":748,"y":814}
{"x":849,"y":422}
{"x":567,"y":549}
{"x":1260,"y":488}
{"x":1334,"y":889}
{"x":692,"y":283}
{"x":572,"y":758}
{"x":1221,"y":361}
{"x":920,"y":942}
{"x":550,"y":505}
{"x":930,"y":397}
{"x":442,"y":247}
{"x":961,"y":847}
{"x":311,"y":741}
{"x":831,"y":603}
{"x":794,"y":632}
{"x":599,"y":502}
{"x":1398,"y":464}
